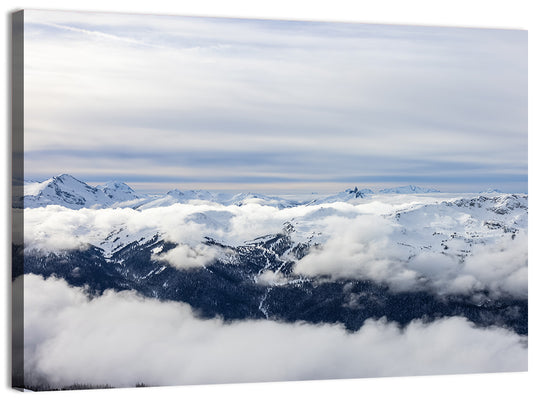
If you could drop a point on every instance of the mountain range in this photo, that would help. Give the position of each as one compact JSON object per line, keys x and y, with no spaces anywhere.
{"x":65,"y":190}
{"x":336,"y":259}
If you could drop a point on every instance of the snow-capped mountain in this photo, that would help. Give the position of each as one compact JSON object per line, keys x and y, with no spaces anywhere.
{"x":260,"y":199}
{"x":348,"y":195}
{"x":183,"y":197}
{"x":458,"y":231}
{"x":491,"y":191}
{"x":64,"y":190}
{"x":67,"y":191}
{"x":119,"y":192}
{"x":410,"y":189}
{"x":222,"y":198}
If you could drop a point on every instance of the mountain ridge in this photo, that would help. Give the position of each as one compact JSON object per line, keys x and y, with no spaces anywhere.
{"x":68,"y":191}
{"x":343,"y":260}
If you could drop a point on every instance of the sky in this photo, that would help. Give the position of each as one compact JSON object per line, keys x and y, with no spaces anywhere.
{"x":164,"y":102}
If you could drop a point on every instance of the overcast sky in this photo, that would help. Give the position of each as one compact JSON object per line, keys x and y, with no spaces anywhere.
{"x":162,"y":102}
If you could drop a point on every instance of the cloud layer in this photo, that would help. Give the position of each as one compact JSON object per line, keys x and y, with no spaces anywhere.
{"x":121,"y":339}
{"x":430,"y":246}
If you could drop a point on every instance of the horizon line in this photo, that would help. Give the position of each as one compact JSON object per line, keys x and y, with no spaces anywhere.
{"x":161,"y":187}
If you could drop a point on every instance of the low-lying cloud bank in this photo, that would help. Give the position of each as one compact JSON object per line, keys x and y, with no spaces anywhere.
{"x":408,"y":246}
{"x":122,"y":339}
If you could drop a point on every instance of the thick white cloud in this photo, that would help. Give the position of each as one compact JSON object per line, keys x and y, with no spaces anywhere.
{"x":269,"y":277}
{"x":360,"y":248}
{"x":502,"y":266}
{"x":57,"y":228}
{"x":122,"y":339}
{"x":369,"y":248}
{"x":186,"y":257}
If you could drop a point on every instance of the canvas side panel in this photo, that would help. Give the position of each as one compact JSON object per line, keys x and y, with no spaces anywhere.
{"x":17,"y":187}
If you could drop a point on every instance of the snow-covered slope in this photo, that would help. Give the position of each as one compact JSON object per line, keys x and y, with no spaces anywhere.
{"x":64,"y":190}
{"x":118,"y":191}
{"x":180,"y":197}
{"x":221,"y":198}
{"x":72,"y":193}
{"x":259,"y":199}
{"x":491,"y":191}
{"x":459,"y":227}
{"x":67,"y":191}
{"x":348,"y":195}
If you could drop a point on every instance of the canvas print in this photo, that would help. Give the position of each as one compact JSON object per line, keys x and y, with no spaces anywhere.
{"x":218,"y":200}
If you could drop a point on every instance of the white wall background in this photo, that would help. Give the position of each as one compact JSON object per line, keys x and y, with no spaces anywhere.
{"x":469,"y":13}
